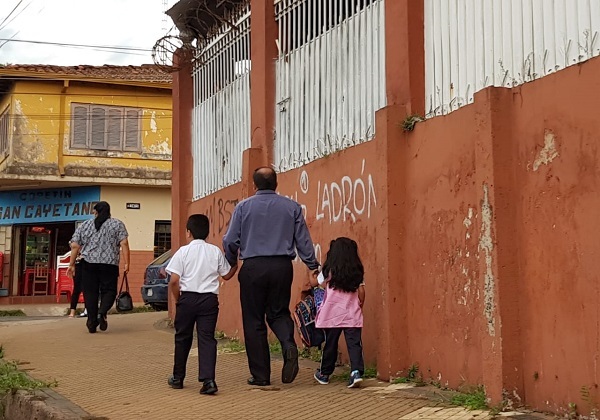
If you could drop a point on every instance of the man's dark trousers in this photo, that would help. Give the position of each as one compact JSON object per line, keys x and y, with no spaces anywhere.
{"x":265,"y":290}
{"x":202,"y":310}
{"x":99,"y":279}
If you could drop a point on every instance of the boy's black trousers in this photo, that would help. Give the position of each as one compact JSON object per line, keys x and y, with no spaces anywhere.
{"x":201,"y":310}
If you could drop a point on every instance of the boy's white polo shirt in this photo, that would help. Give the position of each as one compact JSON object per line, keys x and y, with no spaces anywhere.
{"x":199,"y":265}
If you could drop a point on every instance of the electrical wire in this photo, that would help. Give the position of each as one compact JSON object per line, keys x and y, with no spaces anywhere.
{"x":10,"y":14}
{"x":62,"y":44}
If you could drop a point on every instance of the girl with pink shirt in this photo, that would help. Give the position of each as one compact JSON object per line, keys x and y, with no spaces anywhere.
{"x":343,"y":279}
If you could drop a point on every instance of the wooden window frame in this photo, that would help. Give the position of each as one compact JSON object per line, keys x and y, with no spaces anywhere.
{"x":92,"y":128}
{"x":161,"y":236}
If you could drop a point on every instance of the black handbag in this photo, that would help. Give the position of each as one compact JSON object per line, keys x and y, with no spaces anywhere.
{"x":124,"y":302}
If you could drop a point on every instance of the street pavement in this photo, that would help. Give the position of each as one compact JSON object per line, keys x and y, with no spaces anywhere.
{"x":122,"y":374}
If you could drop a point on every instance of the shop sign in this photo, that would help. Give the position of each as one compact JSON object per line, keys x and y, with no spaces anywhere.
{"x":51,"y":205}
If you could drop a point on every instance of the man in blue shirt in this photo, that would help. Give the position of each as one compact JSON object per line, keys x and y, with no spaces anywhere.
{"x":267,"y":229}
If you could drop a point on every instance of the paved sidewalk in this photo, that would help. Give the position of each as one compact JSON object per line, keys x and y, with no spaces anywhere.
{"x":122,"y":374}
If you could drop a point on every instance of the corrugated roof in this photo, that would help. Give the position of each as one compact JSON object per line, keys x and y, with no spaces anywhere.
{"x":146,"y":73}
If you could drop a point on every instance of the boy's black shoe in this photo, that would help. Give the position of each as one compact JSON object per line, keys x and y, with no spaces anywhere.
{"x":290,"y":365}
{"x":255,"y":382}
{"x":209,"y":387}
{"x":103,"y":322}
{"x":175,"y":383}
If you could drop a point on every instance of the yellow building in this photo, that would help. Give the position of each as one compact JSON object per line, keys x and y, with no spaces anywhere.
{"x":72,"y":136}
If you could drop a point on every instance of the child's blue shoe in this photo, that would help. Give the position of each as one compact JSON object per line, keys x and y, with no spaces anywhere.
{"x":355,"y":379}
{"x":322,"y":379}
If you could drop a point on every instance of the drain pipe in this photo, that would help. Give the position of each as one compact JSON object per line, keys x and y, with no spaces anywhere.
{"x":61,"y":129}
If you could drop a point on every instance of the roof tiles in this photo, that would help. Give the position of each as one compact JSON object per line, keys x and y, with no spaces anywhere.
{"x":147,"y":73}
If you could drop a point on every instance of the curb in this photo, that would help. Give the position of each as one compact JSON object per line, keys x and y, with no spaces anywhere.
{"x":43,"y":404}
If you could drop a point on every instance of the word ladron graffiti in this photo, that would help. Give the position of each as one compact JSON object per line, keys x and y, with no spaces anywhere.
{"x":346,"y":200}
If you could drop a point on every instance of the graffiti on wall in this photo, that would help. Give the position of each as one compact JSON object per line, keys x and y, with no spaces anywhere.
{"x":219,"y":213}
{"x":347,"y":199}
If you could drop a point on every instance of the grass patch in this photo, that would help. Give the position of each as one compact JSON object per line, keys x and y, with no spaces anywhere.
{"x":220,"y":335}
{"x":370,"y":372}
{"x":141,"y":309}
{"x":412,"y":376}
{"x":12,"y":379}
{"x":232,"y":345}
{"x":275,"y":347}
{"x":135,"y":310}
{"x":12,"y":312}
{"x":475,"y":400}
{"x":311,"y":353}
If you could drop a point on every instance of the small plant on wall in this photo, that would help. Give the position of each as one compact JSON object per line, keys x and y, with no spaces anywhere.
{"x":410,"y":121}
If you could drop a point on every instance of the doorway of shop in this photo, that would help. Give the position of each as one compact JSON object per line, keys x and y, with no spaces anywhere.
{"x":34,"y":260}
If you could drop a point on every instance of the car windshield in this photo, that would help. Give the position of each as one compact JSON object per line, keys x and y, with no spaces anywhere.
{"x":162,"y":259}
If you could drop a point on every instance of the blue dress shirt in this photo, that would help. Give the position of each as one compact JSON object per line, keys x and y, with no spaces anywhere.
{"x":267,"y":225}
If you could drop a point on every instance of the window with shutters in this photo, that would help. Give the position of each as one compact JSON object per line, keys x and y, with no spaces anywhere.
{"x":4,"y":132}
{"x":99,"y":127}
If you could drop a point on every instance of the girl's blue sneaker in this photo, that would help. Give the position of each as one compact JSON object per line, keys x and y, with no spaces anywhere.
{"x":322,"y":379}
{"x":355,"y":379}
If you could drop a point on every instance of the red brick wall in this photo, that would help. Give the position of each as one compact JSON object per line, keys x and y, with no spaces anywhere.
{"x":138,"y":264}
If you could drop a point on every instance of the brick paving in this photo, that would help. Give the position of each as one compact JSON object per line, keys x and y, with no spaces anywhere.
{"x":122,"y":374}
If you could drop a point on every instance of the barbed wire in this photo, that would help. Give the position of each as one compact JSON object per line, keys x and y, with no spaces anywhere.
{"x":209,"y":19}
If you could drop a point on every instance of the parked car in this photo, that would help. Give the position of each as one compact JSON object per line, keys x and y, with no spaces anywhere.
{"x":156,"y":281}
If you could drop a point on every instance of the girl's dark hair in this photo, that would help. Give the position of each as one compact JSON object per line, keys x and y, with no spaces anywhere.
{"x":344,"y":265}
{"x":103,"y":209}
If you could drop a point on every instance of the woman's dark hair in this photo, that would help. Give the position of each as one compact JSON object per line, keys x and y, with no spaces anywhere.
{"x":344,"y":265}
{"x":265,"y":178}
{"x":198,"y":225}
{"x":103,"y":209}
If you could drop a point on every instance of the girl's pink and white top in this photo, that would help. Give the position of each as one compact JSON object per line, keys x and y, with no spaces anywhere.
{"x":339,"y":310}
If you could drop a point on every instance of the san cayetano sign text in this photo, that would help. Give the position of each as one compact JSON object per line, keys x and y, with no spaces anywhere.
{"x":51,"y":205}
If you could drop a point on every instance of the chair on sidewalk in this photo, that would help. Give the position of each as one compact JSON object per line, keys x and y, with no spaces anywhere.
{"x":41,"y":274}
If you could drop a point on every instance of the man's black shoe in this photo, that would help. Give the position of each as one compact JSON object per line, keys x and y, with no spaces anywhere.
{"x":209,"y":387}
{"x":103,"y":322}
{"x":255,"y":382}
{"x":175,"y":383}
{"x":91,"y":326}
{"x":290,"y":365}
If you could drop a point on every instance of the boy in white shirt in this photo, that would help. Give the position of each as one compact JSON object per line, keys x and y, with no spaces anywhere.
{"x":195,"y":269}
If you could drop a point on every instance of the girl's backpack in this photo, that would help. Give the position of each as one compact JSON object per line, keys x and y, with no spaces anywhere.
{"x":304,"y":317}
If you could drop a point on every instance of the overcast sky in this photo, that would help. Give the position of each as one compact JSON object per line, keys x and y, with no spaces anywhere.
{"x":126,"y":23}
